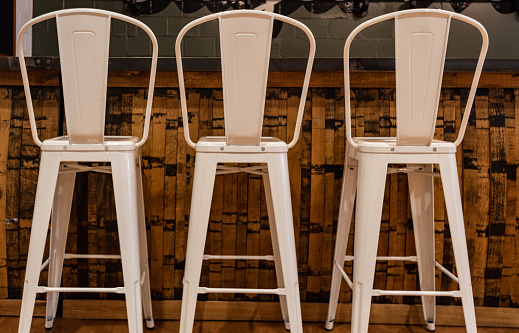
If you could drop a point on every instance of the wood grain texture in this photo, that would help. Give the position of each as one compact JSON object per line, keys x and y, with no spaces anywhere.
{"x":10,"y":325}
{"x":331,"y":79}
{"x":487,"y":166}
{"x":269,"y":311}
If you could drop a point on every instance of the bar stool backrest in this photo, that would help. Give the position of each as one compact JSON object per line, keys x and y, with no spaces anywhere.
{"x":83,"y":51}
{"x":421,"y":38}
{"x":245,"y":41}
{"x":245,"y":52}
{"x":84,"y":42}
{"x":420,"y":47}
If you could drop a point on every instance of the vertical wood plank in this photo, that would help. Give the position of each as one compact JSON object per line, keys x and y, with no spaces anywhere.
{"x":304,"y":213}
{"x":13,"y":193}
{"x":157,"y":141}
{"x":181,"y":209}
{"x":470,"y":191}
{"x":5,"y":117}
{"x":170,"y":275}
{"x":498,"y":203}
{"x":478,"y":265}
{"x":329,"y":192}
{"x":515,"y":287}
{"x":317,"y":181}
{"x":507,"y":278}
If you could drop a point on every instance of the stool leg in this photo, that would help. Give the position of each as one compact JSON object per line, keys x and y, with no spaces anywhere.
{"x":370,"y":198}
{"x":143,"y":250}
{"x":421,"y":191}
{"x":203,"y":184}
{"x":349,"y":187}
{"x":451,"y":189}
{"x":275,"y":247}
{"x":124,"y":169}
{"x":58,"y":239}
{"x":47,"y":178}
{"x":282,"y":208}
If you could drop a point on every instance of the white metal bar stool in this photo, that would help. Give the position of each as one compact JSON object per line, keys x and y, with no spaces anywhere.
{"x":420,"y":45}
{"x":83,"y":36}
{"x":245,"y":39}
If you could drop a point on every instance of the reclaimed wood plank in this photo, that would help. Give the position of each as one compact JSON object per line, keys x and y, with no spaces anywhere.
{"x":171,"y":275}
{"x":329,"y":192}
{"x":498,"y":203}
{"x":157,"y":141}
{"x":324,"y":79}
{"x":478,"y":266}
{"x":5,"y":121}
{"x":311,"y":312}
{"x":317,"y":187}
{"x":507,"y":278}
{"x":303,"y":249}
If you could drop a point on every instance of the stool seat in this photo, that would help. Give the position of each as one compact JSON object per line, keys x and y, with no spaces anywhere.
{"x":218,"y":144}
{"x":390,"y":145}
{"x":110,"y":143}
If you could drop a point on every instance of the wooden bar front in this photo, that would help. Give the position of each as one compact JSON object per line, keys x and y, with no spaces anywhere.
{"x":487,"y":166}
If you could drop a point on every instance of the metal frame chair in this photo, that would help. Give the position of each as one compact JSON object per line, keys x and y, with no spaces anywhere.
{"x":83,"y":36}
{"x":245,"y":38}
{"x":420,"y":45}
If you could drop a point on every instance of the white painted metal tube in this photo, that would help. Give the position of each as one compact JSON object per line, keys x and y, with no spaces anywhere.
{"x":223,"y":257}
{"x":204,"y":290}
{"x":344,"y":275}
{"x":91,"y":256}
{"x":117,"y":290}
{"x":447,"y":272}
{"x":378,"y":292}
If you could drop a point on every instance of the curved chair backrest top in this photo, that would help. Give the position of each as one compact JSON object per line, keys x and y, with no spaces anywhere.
{"x":421,"y":38}
{"x":245,"y":39}
{"x":84,"y":39}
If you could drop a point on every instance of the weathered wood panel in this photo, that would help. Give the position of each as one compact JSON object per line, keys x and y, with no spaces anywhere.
{"x":238,"y":223}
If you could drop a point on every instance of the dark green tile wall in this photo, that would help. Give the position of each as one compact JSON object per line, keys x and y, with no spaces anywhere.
{"x":330,"y":30}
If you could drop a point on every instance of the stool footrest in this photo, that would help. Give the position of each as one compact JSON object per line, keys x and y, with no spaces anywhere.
{"x":205,"y":290}
{"x":387,"y":258}
{"x":378,"y":292}
{"x":223,"y":257}
{"x":91,"y":256}
{"x":117,"y":290}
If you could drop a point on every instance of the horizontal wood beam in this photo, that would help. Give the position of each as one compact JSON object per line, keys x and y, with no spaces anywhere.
{"x":361,"y":79}
{"x":36,"y":78}
{"x":270,"y":311}
{"x":311,"y":312}
{"x":318,"y":80}
{"x":11,"y":308}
